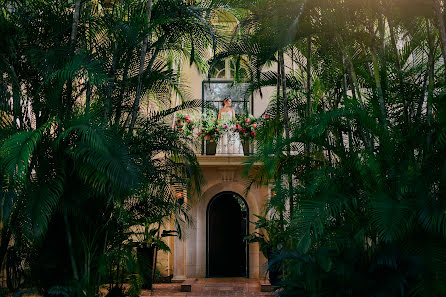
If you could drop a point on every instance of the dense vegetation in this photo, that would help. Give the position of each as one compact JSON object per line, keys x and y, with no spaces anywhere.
{"x":80,"y":161}
{"x":353,"y":141}
{"x":356,"y":144}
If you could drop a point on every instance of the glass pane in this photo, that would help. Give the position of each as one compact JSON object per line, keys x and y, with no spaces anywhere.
{"x":215,"y":92}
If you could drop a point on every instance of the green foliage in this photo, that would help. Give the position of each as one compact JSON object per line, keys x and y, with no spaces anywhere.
{"x":81,"y":164}
{"x":358,"y":180}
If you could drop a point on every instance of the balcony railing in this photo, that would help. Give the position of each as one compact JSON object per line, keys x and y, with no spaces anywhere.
{"x":226,"y":146}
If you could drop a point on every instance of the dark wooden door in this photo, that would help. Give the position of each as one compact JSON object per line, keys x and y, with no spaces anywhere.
{"x":227,"y":252}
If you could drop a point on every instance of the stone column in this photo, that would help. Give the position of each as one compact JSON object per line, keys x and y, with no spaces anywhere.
{"x":179,"y":261}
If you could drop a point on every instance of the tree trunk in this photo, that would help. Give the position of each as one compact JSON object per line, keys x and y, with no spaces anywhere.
{"x":122,"y":90}
{"x":400,"y":72}
{"x":88,"y":97}
{"x":279,"y":76}
{"x":441,"y":28}
{"x":287,"y":126}
{"x":284,"y":98}
{"x":76,"y":14}
{"x":16,"y":97}
{"x":142,"y":59}
{"x":377,"y":76}
{"x":430,"y":92}
{"x":382,"y":55}
{"x":309,"y":76}
{"x":70,"y":248}
{"x":308,"y":86}
{"x":109,"y":98}
{"x":75,"y":24}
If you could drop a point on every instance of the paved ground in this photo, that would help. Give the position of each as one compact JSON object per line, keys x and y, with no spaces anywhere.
{"x":233,"y":287}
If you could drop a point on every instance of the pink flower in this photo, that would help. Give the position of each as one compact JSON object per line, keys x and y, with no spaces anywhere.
{"x":216,"y":130}
{"x":188,"y":121}
{"x":247,"y":120}
{"x":187,"y":117}
{"x":226,"y":126}
{"x":238,"y":127}
{"x":266,"y":116}
{"x":253,"y":133}
{"x":243,"y":130}
{"x":254,"y":125}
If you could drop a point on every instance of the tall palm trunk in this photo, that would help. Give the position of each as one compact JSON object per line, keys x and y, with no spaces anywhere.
{"x":284,"y":98}
{"x":279,"y":77}
{"x":356,"y":92}
{"x":377,"y":76}
{"x":70,"y":248}
{"x":400,"y":71}
{"x":431,"y":86}
{"x":118,"y":113}
{"x":76,"y":14}
{"x":441,"y":28}
{"x":287,"y":126}
{"x":109,"y":98}
{"x":382,"y":55}
{"x":344,"y":91}
{"x":308,"y":85}
{"x":309,"y":103}
{"x":142,"y":59}
{"x":16,"y":97}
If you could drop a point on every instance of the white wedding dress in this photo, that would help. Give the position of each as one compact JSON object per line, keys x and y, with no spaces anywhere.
{"x":229,"y":143}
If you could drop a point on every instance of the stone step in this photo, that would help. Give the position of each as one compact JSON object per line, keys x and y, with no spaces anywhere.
{"x":186,"y":286}
{"x":265,"y":286}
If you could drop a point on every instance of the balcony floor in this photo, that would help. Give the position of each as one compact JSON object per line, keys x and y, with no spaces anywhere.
{"x":227,"y":160}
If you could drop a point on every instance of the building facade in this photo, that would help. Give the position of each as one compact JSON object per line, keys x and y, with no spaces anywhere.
{"x":213,"y":245}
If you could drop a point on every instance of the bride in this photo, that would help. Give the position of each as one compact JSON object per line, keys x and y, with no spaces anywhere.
{"x":229,"y":143}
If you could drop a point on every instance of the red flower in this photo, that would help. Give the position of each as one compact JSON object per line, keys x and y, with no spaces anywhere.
{"x":216,"y":130}
{"x":199,"y":134}
{"x":226,"y":126}
{"x":180,"y":129}
{"x":253,"y":133}
{"x":243,"y":130}
{"x":266,"y":116}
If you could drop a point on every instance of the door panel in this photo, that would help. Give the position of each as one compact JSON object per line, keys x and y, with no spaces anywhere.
{"x":227,"y":252}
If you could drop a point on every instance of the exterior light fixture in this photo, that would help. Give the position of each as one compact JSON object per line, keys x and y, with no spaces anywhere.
{"x":180,"y":197}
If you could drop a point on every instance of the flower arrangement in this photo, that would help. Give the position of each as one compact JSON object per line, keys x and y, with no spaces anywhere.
{"x":210,"y":127}
{"x":246,"y":125}
{"x":185,"y":123}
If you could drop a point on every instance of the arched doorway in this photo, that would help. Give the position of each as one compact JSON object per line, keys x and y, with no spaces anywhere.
{"x":227,"y":225}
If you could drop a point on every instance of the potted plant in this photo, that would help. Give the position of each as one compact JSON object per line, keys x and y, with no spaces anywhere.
{"x":210,"y":131}
{"x":146,"y":253}
{"x":270,"y":244}
{"x":185,"y":123}
{"x":246,"y":126}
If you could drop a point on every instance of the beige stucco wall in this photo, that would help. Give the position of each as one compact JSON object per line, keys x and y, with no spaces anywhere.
{"x":192,"y":80}
{"x":188,"y":256}
{"x":221,"y":174}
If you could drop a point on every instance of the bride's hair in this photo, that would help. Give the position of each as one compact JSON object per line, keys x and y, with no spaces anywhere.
{"x":225,"y":100}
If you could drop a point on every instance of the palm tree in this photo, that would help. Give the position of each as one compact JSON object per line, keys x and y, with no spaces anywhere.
{"x":66,"y":154}
{"x":360,"y":193}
